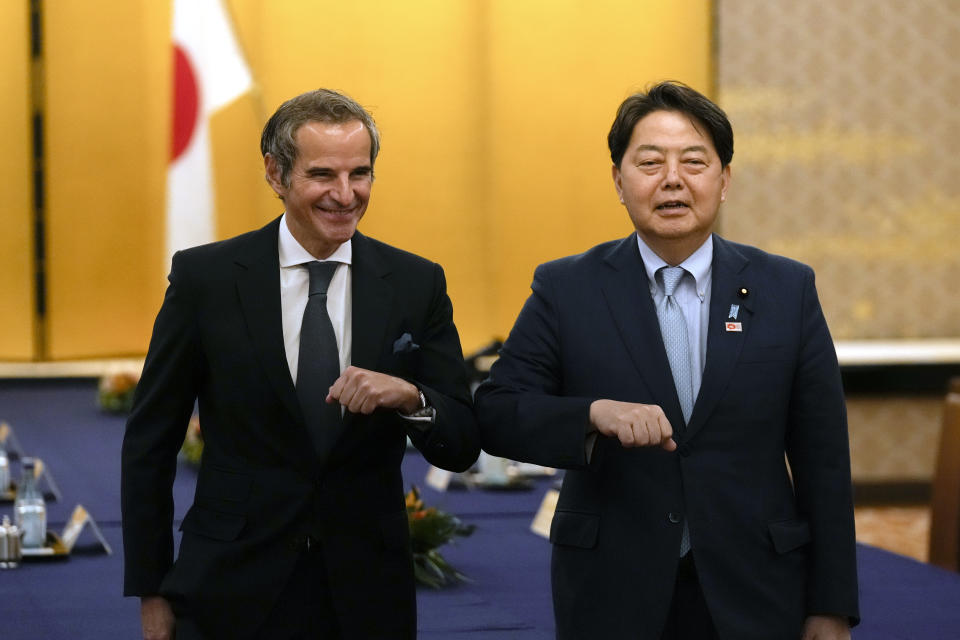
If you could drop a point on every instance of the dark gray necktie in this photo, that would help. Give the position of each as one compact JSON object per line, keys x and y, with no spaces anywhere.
{"x":676,"y":341}
{"x":318,"y":366}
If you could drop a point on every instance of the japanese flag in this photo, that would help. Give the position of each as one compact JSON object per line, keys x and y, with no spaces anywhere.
{"x":209,"y":72}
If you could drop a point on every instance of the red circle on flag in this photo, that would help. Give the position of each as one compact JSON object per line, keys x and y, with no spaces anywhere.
{"x":186,"y":101}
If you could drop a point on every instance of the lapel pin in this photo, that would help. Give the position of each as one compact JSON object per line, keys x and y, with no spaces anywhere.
{"x":734,"y":311}
{"x":734,"y":326}
{"x":743,"y":292}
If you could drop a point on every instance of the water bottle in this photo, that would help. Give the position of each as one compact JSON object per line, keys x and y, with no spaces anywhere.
{"x":4,"y":470}
{"x":4,"y":545}
{"x":9,"y":544}
{"x":13,"y":544}
{"x":30,"y":510}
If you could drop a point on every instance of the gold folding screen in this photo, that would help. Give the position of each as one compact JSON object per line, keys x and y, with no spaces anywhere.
{"x":106,"y":112}
{"x":494,"y":115}
{"x":16,"y":205}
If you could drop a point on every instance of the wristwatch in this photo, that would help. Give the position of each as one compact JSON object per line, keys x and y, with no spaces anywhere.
{"x":424,"y":413}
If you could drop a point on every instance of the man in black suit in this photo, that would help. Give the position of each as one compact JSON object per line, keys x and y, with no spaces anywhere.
{"x":674,"y":375}
{"x":298,"y":527}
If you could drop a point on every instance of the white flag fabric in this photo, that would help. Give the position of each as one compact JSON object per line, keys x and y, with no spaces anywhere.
{"x":209,"y":73}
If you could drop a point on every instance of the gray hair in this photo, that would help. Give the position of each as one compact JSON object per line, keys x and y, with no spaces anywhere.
{"x":320,"y":105}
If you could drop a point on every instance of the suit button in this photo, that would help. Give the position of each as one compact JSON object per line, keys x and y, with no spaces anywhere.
{"x":298,"y":543}
{"x":684,"y":450}
{"x":673,"y":517}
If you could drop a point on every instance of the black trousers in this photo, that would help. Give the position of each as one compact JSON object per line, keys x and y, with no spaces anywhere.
{"x":304,"y":609}
{"x":689,"y":617}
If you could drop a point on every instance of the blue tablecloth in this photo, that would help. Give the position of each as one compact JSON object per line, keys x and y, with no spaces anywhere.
{"x":508,"y":598}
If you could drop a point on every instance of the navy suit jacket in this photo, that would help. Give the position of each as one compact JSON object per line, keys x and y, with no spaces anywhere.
{"x":262,"y":489}
{"x":772,"y":544}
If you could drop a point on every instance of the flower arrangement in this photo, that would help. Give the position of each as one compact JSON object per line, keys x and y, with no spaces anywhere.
{"x":192,"y":449}
{"x":431,"y":528}
{"x":115,"y":392}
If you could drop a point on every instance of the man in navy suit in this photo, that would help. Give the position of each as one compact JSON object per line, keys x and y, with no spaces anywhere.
{"x":707,"y":491}
{"x":298,"y":528}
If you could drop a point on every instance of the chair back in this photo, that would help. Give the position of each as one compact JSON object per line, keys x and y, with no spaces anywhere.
{"x":945,"y":501}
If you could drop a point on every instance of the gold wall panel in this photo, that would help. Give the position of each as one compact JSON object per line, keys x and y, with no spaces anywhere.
{"x":415,"y":66}
{"x":494,"y":117}
{"x":16,"y":179}
{"x":557,"y":73}
{"x":846,"y":133}
{"x":107,"y":143}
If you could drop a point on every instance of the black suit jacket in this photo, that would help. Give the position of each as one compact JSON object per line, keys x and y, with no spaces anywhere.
{"x":769,"y":550}
{"x":261,"y":490}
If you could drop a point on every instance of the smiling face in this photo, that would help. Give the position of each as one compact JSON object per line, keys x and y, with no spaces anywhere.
{"x":329,"y":184}
{"x":672,"y":184}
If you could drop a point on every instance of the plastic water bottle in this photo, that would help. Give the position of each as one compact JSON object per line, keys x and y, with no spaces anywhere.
{"x":30,"y":510}
{"x":4,"y":470}
{"x":9,"y":544}
{"x":4,"y":545}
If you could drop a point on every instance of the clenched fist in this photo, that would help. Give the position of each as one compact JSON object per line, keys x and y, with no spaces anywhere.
{"x":634,"y":424}
{"x":363,"y":391}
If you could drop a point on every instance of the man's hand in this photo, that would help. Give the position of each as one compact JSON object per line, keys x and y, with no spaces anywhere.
{"x":363,"y":391}
{"x":826,"y":628}
{"x":156,"y":618}
{"x":635,"y":425}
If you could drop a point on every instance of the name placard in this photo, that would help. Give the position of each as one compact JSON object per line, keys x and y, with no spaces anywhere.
{"x":544,"y":516}
{"x":45,"y":481}
{"x":80,"y":519}
{"x":62,"y":545}
{"x":438,"y":479}
{"x":8,"y":439}
{"x":533,"y":470}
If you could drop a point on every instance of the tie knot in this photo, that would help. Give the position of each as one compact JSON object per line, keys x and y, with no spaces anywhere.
{"x":320,"y":275}
{"x":671,"y":278}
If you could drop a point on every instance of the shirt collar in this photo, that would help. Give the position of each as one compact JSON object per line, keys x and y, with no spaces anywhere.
{"x":698,"y":264}
{"x":292,"y":252}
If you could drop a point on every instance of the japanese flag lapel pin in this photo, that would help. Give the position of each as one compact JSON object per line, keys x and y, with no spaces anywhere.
{"x":732,"y":324}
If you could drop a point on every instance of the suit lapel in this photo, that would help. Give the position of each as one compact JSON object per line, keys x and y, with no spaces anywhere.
{"x":258,"y":287}
{"x":723,"y":346}
{"x":627,"y":294}
{"x":372,"y":303}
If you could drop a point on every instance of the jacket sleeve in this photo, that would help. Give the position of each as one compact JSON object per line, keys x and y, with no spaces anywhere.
{"x":451,"y":441}
{"x":522,"y":412}
{"x":819,"y":454}
{"x":163,"y":402}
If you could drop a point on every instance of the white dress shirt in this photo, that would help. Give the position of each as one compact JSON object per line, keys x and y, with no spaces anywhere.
{"x":693,"y":296}
{"x":294,"y":290}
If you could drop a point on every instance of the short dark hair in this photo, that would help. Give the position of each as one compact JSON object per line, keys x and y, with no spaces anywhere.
{"x":320,"y":105}
{"x":671,"y":96}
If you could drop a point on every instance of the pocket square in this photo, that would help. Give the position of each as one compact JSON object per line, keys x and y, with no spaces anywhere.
{"x":404,"y":344}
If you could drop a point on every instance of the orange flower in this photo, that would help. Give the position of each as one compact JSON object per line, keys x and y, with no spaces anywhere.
{"x":413,"y":500}
{"x":118,"y":382}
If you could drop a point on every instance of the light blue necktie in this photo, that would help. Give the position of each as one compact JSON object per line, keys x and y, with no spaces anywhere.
{"x":673,"y":328}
